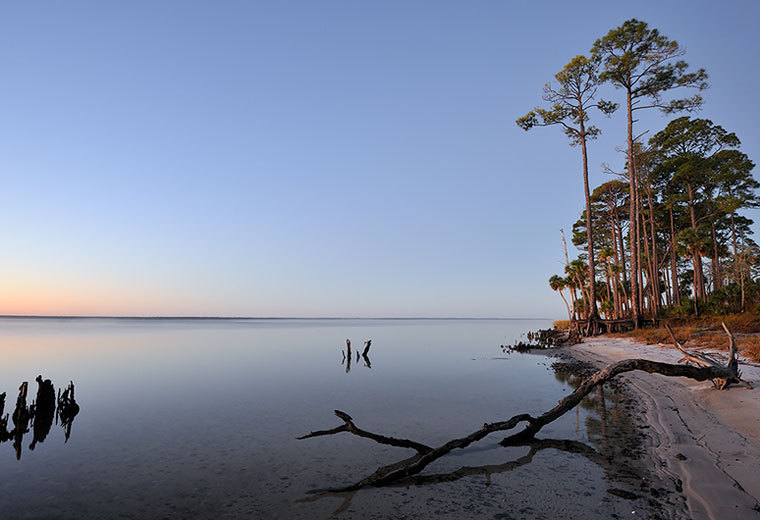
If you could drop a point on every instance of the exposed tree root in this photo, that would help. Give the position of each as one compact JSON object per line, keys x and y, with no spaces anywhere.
{"x":704,"y":360}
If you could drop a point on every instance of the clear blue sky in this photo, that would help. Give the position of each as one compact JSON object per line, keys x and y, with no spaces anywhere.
{"x":311,"y":158}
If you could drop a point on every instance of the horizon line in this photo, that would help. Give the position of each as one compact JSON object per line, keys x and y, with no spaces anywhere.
{"x":94,"y":317}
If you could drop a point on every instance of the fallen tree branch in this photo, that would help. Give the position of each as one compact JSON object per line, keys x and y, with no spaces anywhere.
{"x":349,"y":426}
{"x":404,"y":469}
{"x":705,"y":360}
{"x":698,"y":358}
{"x":535,"y":446}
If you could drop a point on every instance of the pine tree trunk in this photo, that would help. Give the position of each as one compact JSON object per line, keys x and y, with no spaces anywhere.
{"x":668,"y":288}
{"x":673,"y":265}
{"x":736,"y":260}
{"x":625,"y":303}
{"x":655,"y":281}
{"x":697,"y":268}
{"x":635,"y":299}
{"x":622,"y":248}
{"x":717,"y":278}
{"x":640,"y":271}
{"x":589,"y":232}
{"x":647,"y":264}
{"x":616,"y":276}
{"x":699,"y":283}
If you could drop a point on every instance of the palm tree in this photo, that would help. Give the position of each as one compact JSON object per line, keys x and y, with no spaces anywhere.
{"x":557,"y":283}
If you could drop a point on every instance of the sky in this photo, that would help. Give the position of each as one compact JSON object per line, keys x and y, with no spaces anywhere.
{"x":335,"y":158}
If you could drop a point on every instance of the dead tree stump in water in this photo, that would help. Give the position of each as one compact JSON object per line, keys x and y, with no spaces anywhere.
{"x":67,"y":409}
{"x":43,"y":410}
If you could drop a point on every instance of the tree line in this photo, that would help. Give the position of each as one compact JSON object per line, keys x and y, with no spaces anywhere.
{"x":667,"y":234}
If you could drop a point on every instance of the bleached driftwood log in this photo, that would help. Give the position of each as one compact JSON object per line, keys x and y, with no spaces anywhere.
{"x":705,"y":360}
{"x":403,"y":469}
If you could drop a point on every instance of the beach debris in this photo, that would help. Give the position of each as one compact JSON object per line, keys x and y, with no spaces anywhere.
{"x":542,"y":339}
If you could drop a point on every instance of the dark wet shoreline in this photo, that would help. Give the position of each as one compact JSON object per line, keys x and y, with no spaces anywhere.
{"x":634,"y":463}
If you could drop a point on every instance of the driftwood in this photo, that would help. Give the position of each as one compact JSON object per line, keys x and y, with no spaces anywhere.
{"x":486,"y":471}
{"x":414,"y":465}
{"x":705,"y":360}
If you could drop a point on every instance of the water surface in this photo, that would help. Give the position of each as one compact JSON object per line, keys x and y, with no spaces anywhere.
{"x":198,"y":418}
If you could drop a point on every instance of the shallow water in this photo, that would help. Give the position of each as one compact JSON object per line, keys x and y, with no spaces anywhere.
{"x":198,"y":418}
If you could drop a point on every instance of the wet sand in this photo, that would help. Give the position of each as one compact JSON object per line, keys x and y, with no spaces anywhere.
{"x":705,"y":441}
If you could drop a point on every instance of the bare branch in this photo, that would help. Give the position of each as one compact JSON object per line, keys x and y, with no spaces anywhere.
{"x":350,"y":427}
{"x":404,"y":469}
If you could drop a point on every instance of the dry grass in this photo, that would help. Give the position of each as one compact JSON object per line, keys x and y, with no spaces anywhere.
{"x":749,"y":346}
{"x":738,"y":323}
{"x":706,"y":333}
{"x":561,"y":324}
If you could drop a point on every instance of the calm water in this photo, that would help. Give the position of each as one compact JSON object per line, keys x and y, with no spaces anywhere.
{"x":186,"y":418}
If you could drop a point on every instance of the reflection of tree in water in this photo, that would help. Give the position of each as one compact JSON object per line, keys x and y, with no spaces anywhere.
{"x":535,"y":446}
{"x":38,"y":416}
{"x":610,"y":424}
{"x":610,"y":466}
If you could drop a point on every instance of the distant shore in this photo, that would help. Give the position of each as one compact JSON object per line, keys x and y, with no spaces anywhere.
{"x":705,"y":441}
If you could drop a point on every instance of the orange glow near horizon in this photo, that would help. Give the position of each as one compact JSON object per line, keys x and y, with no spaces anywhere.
{"x":44,"y":297}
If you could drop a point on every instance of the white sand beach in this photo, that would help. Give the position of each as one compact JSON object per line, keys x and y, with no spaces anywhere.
{"x":706,"y":438}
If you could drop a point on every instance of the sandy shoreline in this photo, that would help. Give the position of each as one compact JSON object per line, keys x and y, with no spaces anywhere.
{"x":706,"y":441}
